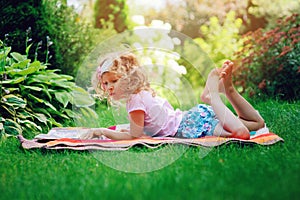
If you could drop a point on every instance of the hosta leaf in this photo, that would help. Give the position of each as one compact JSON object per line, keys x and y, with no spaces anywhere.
{"x":42,"y":101}
{"x":4,"y":52}
{"x":60,"y":83}
{"x":49,"y":71}
{"x":51,"y":90}
{"x":12,"y":127}
{"x":39,"y":78}
{"x":38,"y":65}
{"x":63,"y":98}
{"x":24,"y":114}
{"x":14,"y":101}
{"x":52,"y":76}
{"x":35,"y":88}
{"x":36,"y":98}
{"x":18,"y":65}
{"x":40,"y":117}
{"x":42,"y":110}
{"x":23,"y":72}
{"x":49,"y":105}
{"x":18,"y":57}
{"x":10,"y":110}
{"x":71,"y":113}
{"x":10,"y":122}
{"x":49,"y":79}
{"x":55,"y":122}
{"x":59,"y":114}
{"x":30,"y":124}
{"x":14,"y":81}
{"x":45,"y":90}
{"x":28,"y":113}
{"x":65,"y":77}
{"x":10,"y":89}
{"x":12,"y":130}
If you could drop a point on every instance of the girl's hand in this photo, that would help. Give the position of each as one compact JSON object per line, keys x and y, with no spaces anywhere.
{"x":92,"y":133}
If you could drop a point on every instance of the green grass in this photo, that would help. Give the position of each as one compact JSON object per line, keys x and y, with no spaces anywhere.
{"x":227,"y":172}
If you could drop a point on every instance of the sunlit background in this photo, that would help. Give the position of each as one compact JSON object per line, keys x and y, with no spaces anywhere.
{"x":216,"y":26}
{"x":70,"y":36}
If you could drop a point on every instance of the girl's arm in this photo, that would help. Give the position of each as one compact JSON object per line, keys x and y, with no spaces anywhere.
{"x":115,"y":135}
{"x":136,"y":129}
{"x":137,"y":123}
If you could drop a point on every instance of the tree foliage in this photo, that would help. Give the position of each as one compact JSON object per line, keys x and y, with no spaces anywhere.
{"x":271,"y":10}
{"x":111,"y":12}
{"x":47,"y":22}
{"x":220,"y":41}
{"x":187,"y":16}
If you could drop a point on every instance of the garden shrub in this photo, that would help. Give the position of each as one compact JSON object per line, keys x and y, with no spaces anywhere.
{"x":48,"y":21}
{"x":220,"y":41}
{"x":269,"y":63}
{"x":72,"y":37}
{"x":34,"y":99}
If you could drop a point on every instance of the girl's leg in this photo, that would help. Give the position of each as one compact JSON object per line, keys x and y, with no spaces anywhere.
{"x":247,"y":114}
{"x":205,"y":96}
{"x":231,"y":126}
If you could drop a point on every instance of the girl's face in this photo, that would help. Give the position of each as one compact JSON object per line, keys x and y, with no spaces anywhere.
{"x":110,"y":84}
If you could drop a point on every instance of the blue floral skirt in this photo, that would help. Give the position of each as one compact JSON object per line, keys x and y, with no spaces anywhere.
{"x":199,"y":121}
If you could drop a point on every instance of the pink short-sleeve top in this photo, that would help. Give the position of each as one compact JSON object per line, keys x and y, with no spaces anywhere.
{"x":160,"y":117}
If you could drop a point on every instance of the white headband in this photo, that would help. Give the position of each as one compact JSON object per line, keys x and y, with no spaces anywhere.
{"x":104,"y":67}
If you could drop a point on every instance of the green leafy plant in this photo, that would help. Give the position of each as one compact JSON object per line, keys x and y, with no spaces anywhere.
{"x":269,"y":63}
{"x":33,"y":99}
{"x":220,"y":41}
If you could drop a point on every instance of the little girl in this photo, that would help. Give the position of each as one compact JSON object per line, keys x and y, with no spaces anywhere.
{"x":121,"y":77}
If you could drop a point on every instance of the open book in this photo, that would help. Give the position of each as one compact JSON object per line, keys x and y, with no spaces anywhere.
{"x":73,"y":132}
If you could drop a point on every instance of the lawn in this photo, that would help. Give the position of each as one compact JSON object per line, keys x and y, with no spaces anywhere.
{"x":227,"y":172}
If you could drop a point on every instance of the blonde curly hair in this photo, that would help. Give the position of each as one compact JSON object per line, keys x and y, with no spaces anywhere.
{"x":133,"y":78}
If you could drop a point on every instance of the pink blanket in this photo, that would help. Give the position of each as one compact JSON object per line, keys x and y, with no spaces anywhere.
{"x":68,"y":138}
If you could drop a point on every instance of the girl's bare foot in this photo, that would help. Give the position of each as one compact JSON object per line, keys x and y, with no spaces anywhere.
{"x":225,"y":83}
